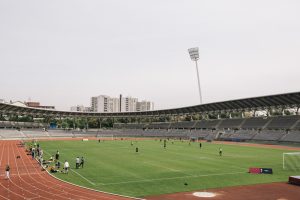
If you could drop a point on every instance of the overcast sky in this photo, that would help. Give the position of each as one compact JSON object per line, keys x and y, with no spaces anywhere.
{"x":62,"y":52}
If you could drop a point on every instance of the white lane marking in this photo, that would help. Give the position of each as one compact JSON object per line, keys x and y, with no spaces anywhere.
{"x":170,"y":178}
{"x":160,"y":166}
{"x":83,"y":177}
{"x":168,"y":168}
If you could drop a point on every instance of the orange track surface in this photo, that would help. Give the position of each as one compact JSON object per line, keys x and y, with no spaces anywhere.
{"x":28,"y":181}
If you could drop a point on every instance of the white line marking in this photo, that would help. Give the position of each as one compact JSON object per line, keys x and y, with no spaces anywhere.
{"x":83,"y":177}
{"x":171,"y":169}
{"x":114,"y":194}
{"x":160,"y":166}
{"x":24,"y":174}
{"x":178,"y":177}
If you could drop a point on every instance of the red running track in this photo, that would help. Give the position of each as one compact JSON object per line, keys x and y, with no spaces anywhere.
{"x":28,"y":181}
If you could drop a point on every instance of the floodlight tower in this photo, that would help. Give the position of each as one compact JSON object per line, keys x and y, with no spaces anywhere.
{"x":194,"y":54}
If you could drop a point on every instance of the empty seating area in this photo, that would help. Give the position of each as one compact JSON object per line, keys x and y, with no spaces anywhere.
{"x":283,"y":122}
{"x":244,"y":134}
{"x":130,"y":126}
{"x":292,"y":136}
{"x":183,"y":125}
{"x":269,"y":135}
{"x":239,"y":135}
{"x":60,"y":133}
{"x":211,"y":136}
{"x":35,"y":133}
{"x":231,"y":123}
{"x":201,"y":134}
{"x":278,"y":122}
{"x":11,"y":134}
{"x":255,"y":123}
{"x":11,"y":124}
{"x":297,"y":126}
{"x":159,"y":125}
{"x":207,"y":124}
{"x":237,"y":129}
{"x":166,"y":133}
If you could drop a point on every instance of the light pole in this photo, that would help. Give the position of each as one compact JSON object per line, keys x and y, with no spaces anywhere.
{"x":194,"y":54}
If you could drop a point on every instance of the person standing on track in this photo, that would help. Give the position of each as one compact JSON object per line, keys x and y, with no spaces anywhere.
{"x":33,"y":152}
{"x":7,"y":169}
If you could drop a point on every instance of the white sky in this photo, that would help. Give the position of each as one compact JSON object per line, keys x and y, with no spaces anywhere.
{"x":62,"y":52}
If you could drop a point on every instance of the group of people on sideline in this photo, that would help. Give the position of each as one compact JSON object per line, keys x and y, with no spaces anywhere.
{"x":53,"y":164}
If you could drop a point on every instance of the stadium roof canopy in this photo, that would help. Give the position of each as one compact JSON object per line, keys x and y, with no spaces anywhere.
{"x":255,"y":103}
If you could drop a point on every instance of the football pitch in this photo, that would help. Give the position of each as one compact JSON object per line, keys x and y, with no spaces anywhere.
{"x":115,"y":166}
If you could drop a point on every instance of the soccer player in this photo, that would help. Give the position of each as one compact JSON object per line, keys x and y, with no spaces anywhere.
{"x":136,"y":149}
{"x":220,"y":151}
{"x":77,"y":162}
{"x":165,"y":143}
{"x":57,"y":155}
{"x":200,"y":145}
{"x":66,"y":166}
{"x":82,"y":162}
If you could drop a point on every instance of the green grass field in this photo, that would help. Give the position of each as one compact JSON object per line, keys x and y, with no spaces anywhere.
{"x":114,"y":166}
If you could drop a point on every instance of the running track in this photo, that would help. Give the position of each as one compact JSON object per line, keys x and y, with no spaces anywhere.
{"x":27,"y":181}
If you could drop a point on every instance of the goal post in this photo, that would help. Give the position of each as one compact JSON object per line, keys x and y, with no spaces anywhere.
{"x":291,"y":161}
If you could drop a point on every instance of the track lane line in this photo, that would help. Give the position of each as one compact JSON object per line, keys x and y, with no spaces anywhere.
{"x":56,"y":192}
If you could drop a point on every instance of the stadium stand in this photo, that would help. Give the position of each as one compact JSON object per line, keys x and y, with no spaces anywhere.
{"x":12,"y":124}
{"x":275,"y":128}
{"x":11,"y":134}
{"x":239,"y":135}
{"x":283,"y":122}
{"x":183,"y":125}
{"x":35,"y":133}
{"x":201,"y":134}
{"x":130,"y":126}
{"x":231,"y":123}
{"x":207,"y":124}
{"x":159,"y":125}
{"x":269,"y":135}
{"x":292,"y":136}
{"x":60,"y":133}
{"x":255,"y":123}
{"x":296,"y":126}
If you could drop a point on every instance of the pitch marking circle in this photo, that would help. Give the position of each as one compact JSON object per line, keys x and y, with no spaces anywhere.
{"x":204,"y":194}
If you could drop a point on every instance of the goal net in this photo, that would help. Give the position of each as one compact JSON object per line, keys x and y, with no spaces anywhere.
{"x":291,"y":161}
{"x":105,"y":136}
